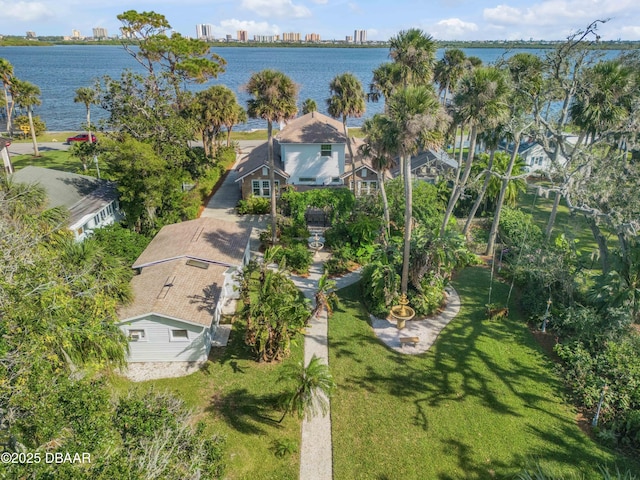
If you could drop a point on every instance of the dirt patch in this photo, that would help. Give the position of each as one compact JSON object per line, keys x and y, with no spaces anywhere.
{"x":546,"y":340}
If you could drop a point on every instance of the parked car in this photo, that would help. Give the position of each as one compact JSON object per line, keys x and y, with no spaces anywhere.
{"x":81,"y":137}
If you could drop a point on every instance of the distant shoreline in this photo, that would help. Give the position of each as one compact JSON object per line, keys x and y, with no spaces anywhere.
{"x":8,"y":41}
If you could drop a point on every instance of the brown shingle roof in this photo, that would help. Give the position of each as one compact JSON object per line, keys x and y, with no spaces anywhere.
{"x":259,"y":157}
{"x":208,"y":239}
{"x":176,"y":290}
{"x":313,"y":127}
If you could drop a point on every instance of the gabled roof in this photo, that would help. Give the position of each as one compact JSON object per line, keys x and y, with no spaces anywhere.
{"x":81,"y":194}
{"x":258,"y":158}
{"x":207,"y":239}
{"x":176,"y":290}
{"x":313,"y":127}
{"x":182,"y":270}
{"x":437,"y":158}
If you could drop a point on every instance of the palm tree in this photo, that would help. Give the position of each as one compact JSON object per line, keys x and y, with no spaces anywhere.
{"x":414,"y":52}
{"x":89,"y":97}
{"x":309,"y":105}
{"x":313,"y":386}
{"x":347,"y":100}
{"x":379,"y":131}
{"x":6,"y":77}
{"x":419,"y":121}
{"x":386,"y":79}
{"x":236,"y":115}
{"x":448,"y":70}
{"x":326,"y":297}
{"x":27,"y":95}
{"x":214,"y":108}
{"x":274,"y":99}
{"x":481,"y":103}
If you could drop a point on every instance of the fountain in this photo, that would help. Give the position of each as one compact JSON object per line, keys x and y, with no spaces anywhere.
{"x":316,"y":245}
{"x":402,"y":312}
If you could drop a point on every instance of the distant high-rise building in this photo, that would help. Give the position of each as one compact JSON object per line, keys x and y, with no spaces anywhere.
{"x":127,"y":33}
{"x":265,"y":38}
{"x":348,"y":39}
{"x":75,"y":34}
{"x":312,"y":37}
{"x":100,"y":32}
{"x":31,"y":34}
{"x":291,"y":37}
{"x":242,"y":36}
{"x":359,"y":36}
{"x":204,"y":31}
{"x":228,"y":37}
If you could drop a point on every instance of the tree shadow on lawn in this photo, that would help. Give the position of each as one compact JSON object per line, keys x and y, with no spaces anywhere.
{"x":246,"y":412}
{"x":471,"y":470}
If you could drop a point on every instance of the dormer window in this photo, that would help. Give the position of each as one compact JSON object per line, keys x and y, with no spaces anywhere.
{"x":325,"y":150}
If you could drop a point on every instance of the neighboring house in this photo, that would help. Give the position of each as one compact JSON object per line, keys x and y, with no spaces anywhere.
{"x":533,"y":155}
{"x":429,"y":165}
{"x":185,"y":275}
{"x":92,"y":203}
{"x":4,"y":153}
{"x":310,"y":151}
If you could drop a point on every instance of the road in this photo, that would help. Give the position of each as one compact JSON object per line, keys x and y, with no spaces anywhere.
{"x":23,"y":148}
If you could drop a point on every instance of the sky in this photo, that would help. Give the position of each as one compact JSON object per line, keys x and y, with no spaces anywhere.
{"x":335,"y":19}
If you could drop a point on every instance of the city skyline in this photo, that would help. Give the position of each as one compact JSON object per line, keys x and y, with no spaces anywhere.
{"x":337,"y":19}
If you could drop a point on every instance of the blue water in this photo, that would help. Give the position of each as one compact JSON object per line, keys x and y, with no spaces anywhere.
{"x":60,"y":70}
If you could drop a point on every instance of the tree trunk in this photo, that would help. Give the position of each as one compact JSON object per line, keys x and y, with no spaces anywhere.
{"x":503,"y":189}
{"x":603,"y":249}
{"x":552,"y":215}
{"x":353,"y":163}
{"x":272,"y":182}
{"x":8,"y":110}
{"x":407,"y":222}
{"x":481,"y":195}
{"x":385,"y":206}
{"x":457,"y":190}
{"x":33,"y":133}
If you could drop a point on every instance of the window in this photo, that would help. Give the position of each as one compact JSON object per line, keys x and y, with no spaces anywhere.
{"x":265,"y":171}
{"x":137,"y":335}
{"x":266,"y":191}
{"x":363,"y":174}
{"x":307,"y":179}
{"x":260,"y":188}
{"x":325,"y":150}
{"x":96,"y":220}
{"x":197,"y":263}
{"x":335,"y":179}
{"x":255,"y":188}
{"x":180,"y":335}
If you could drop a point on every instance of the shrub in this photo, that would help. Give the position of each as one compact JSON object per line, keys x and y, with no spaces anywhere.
{"x":429,"y":300}
{"x":23,"y":121}
{"x":518,"y":228}
{"x":254,"y":206}
{"x":298,"y":257}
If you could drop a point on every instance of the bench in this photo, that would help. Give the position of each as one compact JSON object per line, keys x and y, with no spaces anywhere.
{"x":494,"y":313}
{"x":404,"y":340}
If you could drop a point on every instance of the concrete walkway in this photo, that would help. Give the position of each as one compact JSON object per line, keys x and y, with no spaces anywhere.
{"x":316,"y":461}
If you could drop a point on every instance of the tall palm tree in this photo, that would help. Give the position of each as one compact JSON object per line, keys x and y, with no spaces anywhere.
{"x":313,"y":386}
{"x":309,"y":105}
{"x":6,"y":77}
{"x":88,"y":96}
{"x":386,"y":80}
{"x":27,"y":95}
{"x":481,"y":103}
{"x":347,"y":100}
{"x":211,"y":110}
{"x":378,"y":146}
{"x":236,"y":115}
{"x":448,"y":70}
{"x":274,"y":99}
{"x":419,"y":121}
{"x":414,"y":52}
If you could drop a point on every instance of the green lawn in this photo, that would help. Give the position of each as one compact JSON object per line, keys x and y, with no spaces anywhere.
{"x":482,"y":403}
{"x":235,"y":396}
{"x":55,"y":159}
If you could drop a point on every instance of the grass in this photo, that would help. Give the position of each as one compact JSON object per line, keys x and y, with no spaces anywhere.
{"x":55,"y":159}
{"x":482,"y":403}
{"x":235,"y":396}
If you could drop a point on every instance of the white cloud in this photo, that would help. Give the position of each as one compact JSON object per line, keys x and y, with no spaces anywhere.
{"x":276,"y":8}
{"x":321,"y":2}
{"x":452,"y":29}
{"x":629,"y":32}
{"x":24,"y":11}
{"x":232,"y":25}
{"x":354,"y":7}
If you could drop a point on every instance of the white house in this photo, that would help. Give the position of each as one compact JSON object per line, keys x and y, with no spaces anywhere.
{"x":310,"y":151}
{"x":534,"y":156}
{"x":185,"y":276}
{"x":92,"y":203}
{"x":4,"y":153}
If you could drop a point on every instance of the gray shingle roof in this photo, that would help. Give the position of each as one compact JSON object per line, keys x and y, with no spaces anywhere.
{"x":80,"y":194}
{"x":313,"y":127}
